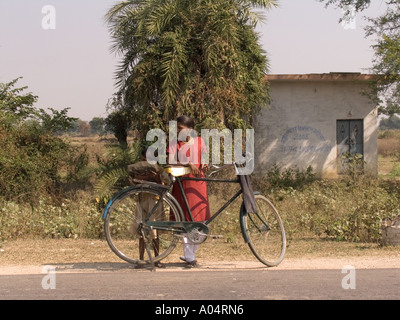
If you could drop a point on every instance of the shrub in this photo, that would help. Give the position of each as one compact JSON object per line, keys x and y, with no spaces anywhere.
{"x":34,"y":163}
{"x":32,"y":158}
{"x":70,"y":219}
{"x":291,"y":178}
{"x":344,"y":210}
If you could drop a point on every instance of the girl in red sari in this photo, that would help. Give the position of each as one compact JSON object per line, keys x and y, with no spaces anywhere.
{"x":189,"y":151}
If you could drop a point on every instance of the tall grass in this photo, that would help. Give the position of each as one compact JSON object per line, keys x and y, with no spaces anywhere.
{"x":389,"y":143}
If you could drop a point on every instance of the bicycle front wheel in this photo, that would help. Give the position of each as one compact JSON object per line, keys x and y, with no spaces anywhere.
{"x":264,"y":232}
{"x":125,"y":225}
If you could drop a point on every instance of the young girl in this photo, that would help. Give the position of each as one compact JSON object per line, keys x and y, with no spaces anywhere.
{"x":189,"y":151}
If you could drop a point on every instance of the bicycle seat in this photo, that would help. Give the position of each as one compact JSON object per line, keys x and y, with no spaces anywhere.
{"x":178,"y":171}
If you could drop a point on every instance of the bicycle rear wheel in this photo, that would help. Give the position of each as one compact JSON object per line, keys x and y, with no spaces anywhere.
{"x":125,"y":225}
{"x":264,"y":232}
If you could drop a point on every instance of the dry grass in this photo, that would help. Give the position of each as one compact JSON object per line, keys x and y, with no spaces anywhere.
{"x":74,"y":251}
{"x":389,"y":146}
{"x":389,"y":154}
{"x":387,"y":165}
{"x":95,"y":145}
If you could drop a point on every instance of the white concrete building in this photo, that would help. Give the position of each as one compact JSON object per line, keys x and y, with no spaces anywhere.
{"x":314,"y":119}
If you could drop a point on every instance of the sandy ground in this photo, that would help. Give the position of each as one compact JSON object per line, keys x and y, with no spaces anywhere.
{"x":288,"y":264}
{"x":82,"y":256}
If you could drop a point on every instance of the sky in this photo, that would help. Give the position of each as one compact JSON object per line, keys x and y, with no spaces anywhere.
{"x":63,"y":52}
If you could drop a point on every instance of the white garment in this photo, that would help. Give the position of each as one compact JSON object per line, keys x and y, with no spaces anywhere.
{"x":189,"y":249}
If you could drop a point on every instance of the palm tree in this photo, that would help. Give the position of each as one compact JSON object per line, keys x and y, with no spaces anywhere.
{"x":196,"y":57}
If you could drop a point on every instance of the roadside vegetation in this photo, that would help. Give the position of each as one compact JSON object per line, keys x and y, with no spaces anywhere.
{"x":58,"y":172}
{"x":56,"y":185}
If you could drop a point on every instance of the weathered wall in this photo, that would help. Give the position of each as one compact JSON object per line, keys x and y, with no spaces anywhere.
{"x":299,"y":128}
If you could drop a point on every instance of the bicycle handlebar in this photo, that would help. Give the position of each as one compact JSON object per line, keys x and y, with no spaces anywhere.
{"x":217,"y":168}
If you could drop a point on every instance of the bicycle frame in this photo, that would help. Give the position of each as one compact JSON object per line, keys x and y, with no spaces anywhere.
{"x":197,"y":232}
{"x":186,"y":226}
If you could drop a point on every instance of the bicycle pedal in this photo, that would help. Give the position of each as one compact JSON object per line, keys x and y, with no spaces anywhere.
{"x":215,"y":237}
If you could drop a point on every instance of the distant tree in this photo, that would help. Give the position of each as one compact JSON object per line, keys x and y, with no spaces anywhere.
{"x":33,"y":160}
{"x":57,"y":122}
{"x":84,"y":128}
{"x":387,"y":51}
{"x":387,"y":57}
{"x":18,"y":105}
{"x":97,"y":125}
{"x":118,"y":123}
{"x":120,"y":120}
{"x":390,"y":123}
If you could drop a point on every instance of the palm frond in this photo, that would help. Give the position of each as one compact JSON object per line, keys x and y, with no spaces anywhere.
{"x":111,"y":182}
{"x":113,"y":169}
{"x":161,"y":16}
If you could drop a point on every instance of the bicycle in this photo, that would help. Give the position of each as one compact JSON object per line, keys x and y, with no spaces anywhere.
{"x":147,"y":217}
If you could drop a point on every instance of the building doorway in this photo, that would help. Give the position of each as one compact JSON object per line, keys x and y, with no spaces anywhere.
{"x":350,"y":144}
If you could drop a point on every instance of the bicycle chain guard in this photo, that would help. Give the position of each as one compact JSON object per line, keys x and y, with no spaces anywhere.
{"x":197,"y":232}
{"x":196,"y":236}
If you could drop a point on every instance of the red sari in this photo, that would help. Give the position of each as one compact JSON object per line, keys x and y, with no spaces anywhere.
{"x":195,"y":191}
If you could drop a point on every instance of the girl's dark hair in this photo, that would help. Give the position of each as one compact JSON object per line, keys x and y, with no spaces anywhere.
{"x":186,"y":121}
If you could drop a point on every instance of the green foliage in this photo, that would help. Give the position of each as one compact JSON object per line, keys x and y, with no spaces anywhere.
{"x":342,"y":210}
{"x":17,"y":107}
{"x":387,"y":57}
{"x":119,"y":121}
{"x":97,"y":126}
{"x":70,"y":219}
{"x":112,"y":173}
{"x":358,"y":5}
{"x":395,"y":172}
{"x":32,"y":157}
{"x":353,"y":165}
{"x":362,"y":221}
{"x":200,"y":58}
{"x":386,"y":29}
{"x":390,"y":123}
{"x":15,"y":103}
{"x":290,"y":178}
{"x":29,"y":162}
{"x":57,"y":122}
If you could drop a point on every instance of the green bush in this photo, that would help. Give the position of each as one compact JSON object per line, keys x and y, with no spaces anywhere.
{"x":34,"y":161}
{"x":344,"y":210}
{"x":277,"y":178}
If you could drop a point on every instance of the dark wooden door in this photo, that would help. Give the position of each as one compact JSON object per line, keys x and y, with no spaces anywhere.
{"x":350,"y":141}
